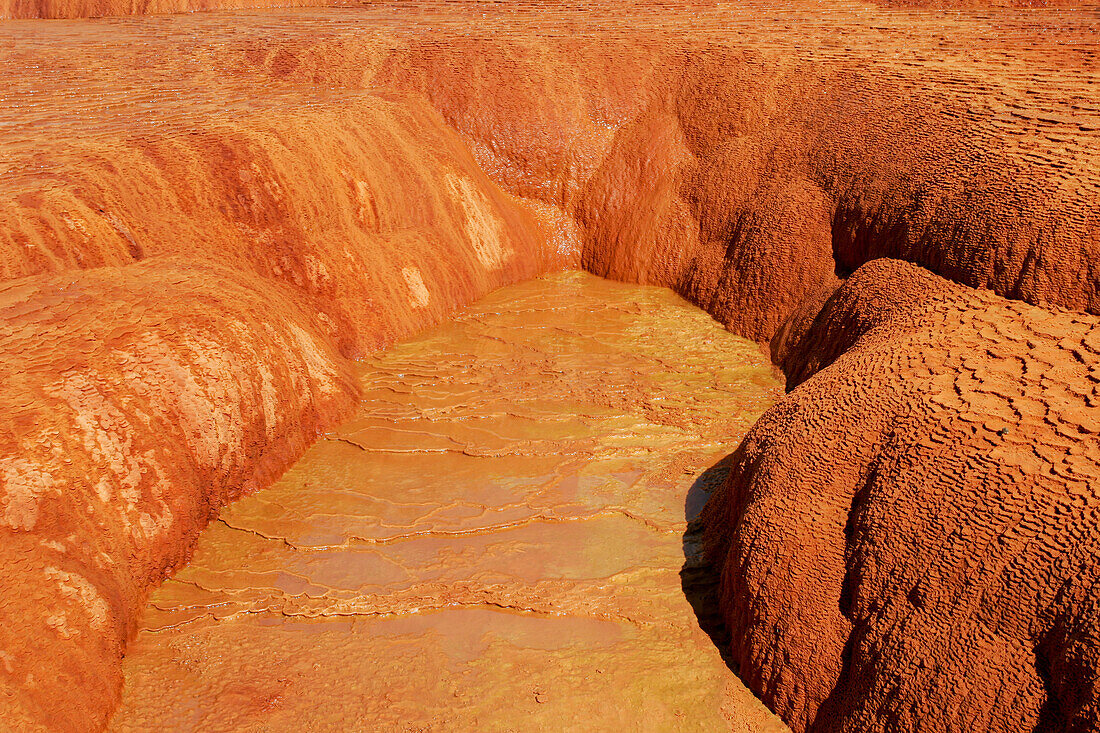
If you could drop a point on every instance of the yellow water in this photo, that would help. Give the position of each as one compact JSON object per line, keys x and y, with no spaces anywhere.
{"x":495,"y":542}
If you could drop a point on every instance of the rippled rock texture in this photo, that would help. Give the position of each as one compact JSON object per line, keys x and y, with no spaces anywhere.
{"x":205,"y":225}
{"x":912,"y":527}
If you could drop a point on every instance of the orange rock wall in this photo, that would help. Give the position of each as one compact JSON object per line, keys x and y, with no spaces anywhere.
{"x":749,"y":179}
{"x":912,"y":528}
{"x":59,"y":9}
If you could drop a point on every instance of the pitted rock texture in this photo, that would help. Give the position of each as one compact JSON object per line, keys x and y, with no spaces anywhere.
{"x":912,"y":528}
{"x":341,"y":178}
{"x":497,"y":536}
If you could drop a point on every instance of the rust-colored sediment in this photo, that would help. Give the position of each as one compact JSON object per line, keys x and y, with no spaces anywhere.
{"x":205,"y":219}
{"x":497,"y":536}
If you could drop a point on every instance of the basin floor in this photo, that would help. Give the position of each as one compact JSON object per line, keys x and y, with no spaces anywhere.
{"x":497,"y":541}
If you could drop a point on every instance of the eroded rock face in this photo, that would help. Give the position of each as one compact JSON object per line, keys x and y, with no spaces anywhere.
{"x":911,"y":528}
{"x":201,"y":228}
{"x":98,"y":445}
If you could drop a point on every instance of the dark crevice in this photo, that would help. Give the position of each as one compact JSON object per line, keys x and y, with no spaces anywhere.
{"x":699,"y":577}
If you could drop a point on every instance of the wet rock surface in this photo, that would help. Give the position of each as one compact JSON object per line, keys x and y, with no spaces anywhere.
{"x":494,"y":542}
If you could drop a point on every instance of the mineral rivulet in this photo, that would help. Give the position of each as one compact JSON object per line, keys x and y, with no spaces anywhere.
{"x":495,"y":540}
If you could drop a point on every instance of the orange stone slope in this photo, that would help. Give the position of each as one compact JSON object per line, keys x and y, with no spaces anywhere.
{"x":199,"y":230}
{"x":913,"y":528}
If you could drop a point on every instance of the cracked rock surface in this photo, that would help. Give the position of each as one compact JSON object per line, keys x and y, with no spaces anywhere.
{"x":496,"y":537}
{"x":939,"y":571}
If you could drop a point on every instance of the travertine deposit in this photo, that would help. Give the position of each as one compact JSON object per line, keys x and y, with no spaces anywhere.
{"x":912,"y":525}
{"x":205,"y":219}
{"x":494,"y":541}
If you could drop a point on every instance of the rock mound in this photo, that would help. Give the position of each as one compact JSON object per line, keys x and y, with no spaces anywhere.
{"x":908,"y":537}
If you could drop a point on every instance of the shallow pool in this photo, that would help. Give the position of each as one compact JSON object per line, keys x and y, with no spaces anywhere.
{"x":495,"y":542}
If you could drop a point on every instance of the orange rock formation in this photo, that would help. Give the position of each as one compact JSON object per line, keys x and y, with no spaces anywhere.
{"x":908,"y":526}
{"x":204,"y":218}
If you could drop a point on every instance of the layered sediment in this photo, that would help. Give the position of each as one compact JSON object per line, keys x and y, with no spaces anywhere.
{"x":69,"y":9}
{"x":201,"y":230}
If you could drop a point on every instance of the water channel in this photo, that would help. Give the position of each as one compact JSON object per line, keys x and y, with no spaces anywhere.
{"x":497,"y":541}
